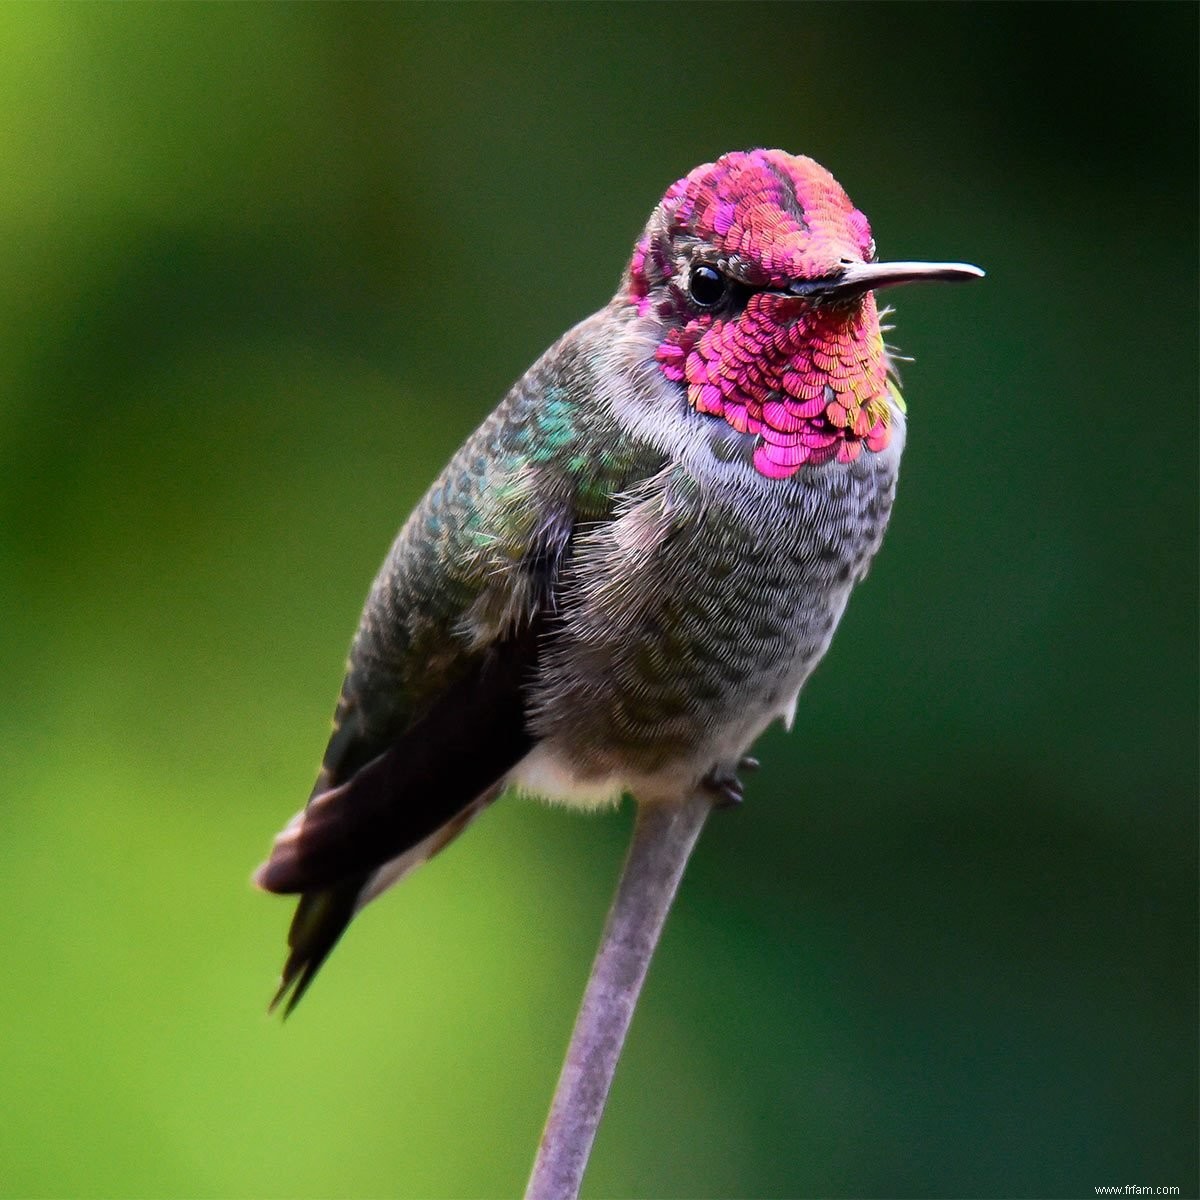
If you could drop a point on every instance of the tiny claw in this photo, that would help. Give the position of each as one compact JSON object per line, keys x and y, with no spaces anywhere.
{"x":724,"y":785}
{"x":729,"y":795}
{"x":748,"y":763}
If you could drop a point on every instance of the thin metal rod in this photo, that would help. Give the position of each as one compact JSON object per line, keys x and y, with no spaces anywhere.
{"x":663,"y":837}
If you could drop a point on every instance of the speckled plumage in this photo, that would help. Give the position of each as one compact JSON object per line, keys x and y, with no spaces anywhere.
{"x":636,"y":561}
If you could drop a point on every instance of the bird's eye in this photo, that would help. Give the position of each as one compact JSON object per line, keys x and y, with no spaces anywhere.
{"x":706,"y":285}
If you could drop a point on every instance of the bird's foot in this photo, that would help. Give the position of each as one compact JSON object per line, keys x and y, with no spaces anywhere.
{"x":724,"y":785}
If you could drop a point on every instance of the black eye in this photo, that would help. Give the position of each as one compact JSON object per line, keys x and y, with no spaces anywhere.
{"x":706,"y":285}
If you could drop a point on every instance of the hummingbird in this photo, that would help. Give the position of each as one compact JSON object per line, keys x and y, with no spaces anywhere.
{"x":633,"y":565}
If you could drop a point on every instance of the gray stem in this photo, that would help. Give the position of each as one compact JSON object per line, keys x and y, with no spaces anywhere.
{"x":663,"y":837}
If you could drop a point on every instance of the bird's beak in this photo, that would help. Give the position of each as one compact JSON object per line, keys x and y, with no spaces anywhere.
{"x":855,"y":278}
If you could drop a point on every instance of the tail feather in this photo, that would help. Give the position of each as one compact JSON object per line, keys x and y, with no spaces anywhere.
{"x":321,"y":919}
{"x":323,"y":916}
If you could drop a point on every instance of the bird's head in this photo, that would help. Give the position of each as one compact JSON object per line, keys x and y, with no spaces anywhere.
{"x":760,"y":274}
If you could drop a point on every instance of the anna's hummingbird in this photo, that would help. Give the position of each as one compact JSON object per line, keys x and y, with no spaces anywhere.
{"x":630,"y":569}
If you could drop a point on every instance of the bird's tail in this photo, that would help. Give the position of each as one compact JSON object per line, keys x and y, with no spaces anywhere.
{"x":322,"y":915}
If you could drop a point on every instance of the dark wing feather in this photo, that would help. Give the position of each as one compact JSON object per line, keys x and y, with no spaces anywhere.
{"x":424,"y":788}
{"x":471,"y":737}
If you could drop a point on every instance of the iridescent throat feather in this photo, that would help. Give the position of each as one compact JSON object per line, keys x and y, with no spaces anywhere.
{"x":810,"y":379}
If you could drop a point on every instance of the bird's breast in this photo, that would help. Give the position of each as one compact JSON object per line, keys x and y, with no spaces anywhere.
{"x":692,"y":620}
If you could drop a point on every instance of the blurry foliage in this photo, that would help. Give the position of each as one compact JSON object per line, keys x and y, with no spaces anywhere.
{"x":266,"y":265}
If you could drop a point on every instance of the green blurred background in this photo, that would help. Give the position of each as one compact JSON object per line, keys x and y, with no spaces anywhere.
{"x":263,"y":268}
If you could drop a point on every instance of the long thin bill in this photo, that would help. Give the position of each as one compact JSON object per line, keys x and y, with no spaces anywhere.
{"x":869,"y":276}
